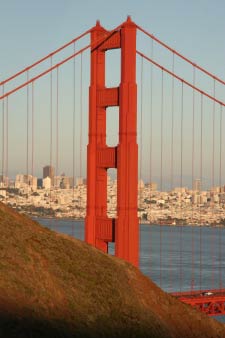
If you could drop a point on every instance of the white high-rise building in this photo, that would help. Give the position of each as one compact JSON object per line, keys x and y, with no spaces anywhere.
{"x":46,"y":183}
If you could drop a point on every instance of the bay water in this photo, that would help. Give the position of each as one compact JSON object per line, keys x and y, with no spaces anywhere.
{"x":176,"y":258}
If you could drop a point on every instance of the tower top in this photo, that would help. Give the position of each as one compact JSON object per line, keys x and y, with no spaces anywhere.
{"x":129,"y":22}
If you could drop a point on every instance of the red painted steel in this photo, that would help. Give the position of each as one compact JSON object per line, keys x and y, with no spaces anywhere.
{"x":127,"y":227}
{"x":96,"y":219}
{"x":211,"y":302}
{"x":33,"y":79}
{"x":44,"y":58}
{"x":212,"y":306}
{"x":124,"y":230}
{"x":96,"y":43}
{"x":180,"y":79}
{"x":198,"y":292}
{"x":99,"y":229}
{"x":203,"y":70}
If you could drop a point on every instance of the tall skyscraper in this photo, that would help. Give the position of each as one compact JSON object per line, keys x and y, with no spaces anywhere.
{"x":49,"y":171}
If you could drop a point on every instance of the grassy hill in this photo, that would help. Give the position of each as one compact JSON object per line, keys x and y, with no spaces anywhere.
{"x":54,"y":286}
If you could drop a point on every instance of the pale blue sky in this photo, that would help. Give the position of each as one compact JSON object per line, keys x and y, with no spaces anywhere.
{"x":31,"y":29}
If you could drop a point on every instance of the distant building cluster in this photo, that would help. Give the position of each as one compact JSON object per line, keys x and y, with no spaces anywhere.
{"x":29,"y":183}
{"x":65,"y":196}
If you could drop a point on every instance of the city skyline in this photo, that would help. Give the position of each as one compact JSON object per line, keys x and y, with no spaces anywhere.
{"x":189,"y":183}
{"x":57,"y":139}
{"x":65,"y":200}
{"x":112,"y":118}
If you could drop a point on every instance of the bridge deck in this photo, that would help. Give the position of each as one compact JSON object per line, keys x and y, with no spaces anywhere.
{"x":211,"y":302}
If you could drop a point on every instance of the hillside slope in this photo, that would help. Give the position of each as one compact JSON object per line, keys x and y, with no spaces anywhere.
{"x":55,"y":286}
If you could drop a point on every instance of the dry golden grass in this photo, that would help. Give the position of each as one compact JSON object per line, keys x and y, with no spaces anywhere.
{"x":54,"y":286}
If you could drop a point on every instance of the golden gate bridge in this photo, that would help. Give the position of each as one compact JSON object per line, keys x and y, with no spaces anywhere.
{"x":176,"y":132}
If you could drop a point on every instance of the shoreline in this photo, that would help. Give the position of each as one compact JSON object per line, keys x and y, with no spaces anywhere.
{"x":67,"y":219}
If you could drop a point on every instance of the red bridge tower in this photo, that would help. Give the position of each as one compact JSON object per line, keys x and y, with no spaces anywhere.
{"x":99,"y":229}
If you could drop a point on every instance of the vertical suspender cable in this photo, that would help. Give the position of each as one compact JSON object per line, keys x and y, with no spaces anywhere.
{"x":171,"y":178}
{"x":213,"y":186}
{"x":51,"y":138}
{"x":81,"y":123}
{"x":200,"y":230}
{"x":193,"y":174}
{"x":32,"y":136}
{"x":3,"y":135}
{"x":172,"y":130}
{"x":150,"y":155}
{"x":73,"y":130}
{"x":57,"y":126}
{"x":181,"y":184}
{"x":32,"y":130}
{"x":51,"y":113}
{"x":141,"y":148}
{"x":141,"y":141}
{"x":57,"y":122}
{"x":27,"y":150}
{"x":220,"y":175}
{"x":7,"y":143}
{"x":161,"y":167}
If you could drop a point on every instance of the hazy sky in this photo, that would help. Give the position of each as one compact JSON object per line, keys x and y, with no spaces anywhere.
{"x":31,"y":29}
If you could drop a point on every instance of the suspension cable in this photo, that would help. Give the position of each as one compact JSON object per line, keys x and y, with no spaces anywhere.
{"x":180,"y":79}
{"x":51,"y":176}
{"x":3,"y":136}
{"x":172,"y":129}
{"x":220,"y":175}
{"x":150,"y":155}
{"x":43,"y":73}
{"x":73,"y":130}
{"x":81,"y":124}
{"x":181,"y":184}
{"x":93,"y":45}
{"x":51,"y":138}
{"x":200,"y":216}
{"x":32,"y":146}
{"x":51,"y":117}
{"x":182,"y":56}
{"x":27,"y":145}
{"x":32,"y":130}
{"x":57,"y":122}
{"x":213,"y":186}
{"x":193,"y":174}
{"x":171,"y":177}
{"x":141,"y":142}
{"x":44,"y":58}
{"x":161,"y":166}
{"x":7,"y":142}
{"x":57,"y":128}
